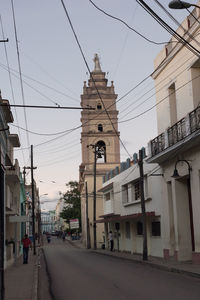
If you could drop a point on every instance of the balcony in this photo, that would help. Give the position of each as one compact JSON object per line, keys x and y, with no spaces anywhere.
{"x":185,"y":132}
{"x":13,"y":172}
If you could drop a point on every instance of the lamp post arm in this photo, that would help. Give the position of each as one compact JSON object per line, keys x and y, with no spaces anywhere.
{"x":178,"y":4}
{"x":184,"y":160}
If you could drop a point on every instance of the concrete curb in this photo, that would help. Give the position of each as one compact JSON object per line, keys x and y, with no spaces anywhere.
{"x":36,"y":276}
{"x":153,"y":265}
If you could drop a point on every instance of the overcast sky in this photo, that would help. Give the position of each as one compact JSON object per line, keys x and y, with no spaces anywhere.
{"x":54,"y":72}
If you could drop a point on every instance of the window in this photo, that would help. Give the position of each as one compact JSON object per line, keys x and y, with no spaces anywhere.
{"x":99,"y":106}
{"x":128,"y":230}
{"x":139,"y":228}
{"x":172,"y":104}
{"x":137,"y":190}
{"x":125,"y":193}
{"x":107,"y":196}
{"x":100,"y":127}
{"x":155,"y":227}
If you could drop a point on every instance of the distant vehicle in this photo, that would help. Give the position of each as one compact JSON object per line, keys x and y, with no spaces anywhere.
{"x":54,"y":233}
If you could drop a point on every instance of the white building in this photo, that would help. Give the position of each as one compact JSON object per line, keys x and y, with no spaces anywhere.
{"x":48,"y":220}
{"x":177,"y":146}
{"x":122,"y":208}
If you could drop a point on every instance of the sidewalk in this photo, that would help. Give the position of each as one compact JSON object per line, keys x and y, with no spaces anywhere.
{"x":171,"y":266}
{"x":21,"y":281}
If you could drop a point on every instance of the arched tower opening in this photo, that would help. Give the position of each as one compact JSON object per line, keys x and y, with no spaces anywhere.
{"x":101,"y":152}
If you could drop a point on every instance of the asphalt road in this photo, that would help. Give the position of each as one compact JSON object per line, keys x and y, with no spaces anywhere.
{"x":77,"y":274}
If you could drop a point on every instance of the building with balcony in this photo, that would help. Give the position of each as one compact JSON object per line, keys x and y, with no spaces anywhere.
{"x":122,"y":208}
{"x":177,"y":146}
{"x":9,"y":183}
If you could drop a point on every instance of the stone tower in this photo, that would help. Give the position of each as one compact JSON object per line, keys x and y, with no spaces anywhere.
{"x":97,"y":130}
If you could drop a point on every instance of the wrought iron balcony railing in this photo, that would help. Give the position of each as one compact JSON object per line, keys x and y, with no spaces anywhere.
{"x":176,"y":133}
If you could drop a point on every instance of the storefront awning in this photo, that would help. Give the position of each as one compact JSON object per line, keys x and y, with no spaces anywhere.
{"x":118,"y":218}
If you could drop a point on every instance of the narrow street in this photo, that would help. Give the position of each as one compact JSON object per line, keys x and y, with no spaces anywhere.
{"x":77,"y":274}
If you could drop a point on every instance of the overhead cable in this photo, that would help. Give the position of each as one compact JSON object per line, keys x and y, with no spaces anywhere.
{"x":149,"y":109}
{"x":43,"y":84}
{"x":20,"y":72}
{"x":83,"y":56}
{"x":10,"y":80}
{"x":131,"y":28}
{"x":176,"y":22}
{"x":169,"y":28}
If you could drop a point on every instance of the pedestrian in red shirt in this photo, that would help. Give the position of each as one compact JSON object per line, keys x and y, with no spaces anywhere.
{"x":26,"y":243}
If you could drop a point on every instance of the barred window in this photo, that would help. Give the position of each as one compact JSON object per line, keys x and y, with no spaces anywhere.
{"x":137,"y":190}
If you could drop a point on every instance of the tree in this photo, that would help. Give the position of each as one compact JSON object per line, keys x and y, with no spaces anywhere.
{"x":72,"y":201}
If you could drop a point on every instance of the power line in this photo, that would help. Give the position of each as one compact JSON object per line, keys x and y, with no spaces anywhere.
{"x":153,"y":93}
{"x":168,"y":28}
{"x":10,"y":80}
{"x":55,"y":79}
{"x":85,"y":124}
{"x":191,"y":13}
{"x":75,"y":128}
{"x":42,"y":134}
{"x":20,"y":72}
{"x":149,"y":109}
{"x":131,"y":28}
{"x":83,"y":56}
{"x":177,"y":23}
{"x":33,"y":88}
{"x":47,"y":107}
{"x":41,"y":83}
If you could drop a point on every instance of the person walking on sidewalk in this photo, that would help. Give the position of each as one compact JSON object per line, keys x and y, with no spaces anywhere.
{"x":111,"y":241}
{"x":26,"y":243}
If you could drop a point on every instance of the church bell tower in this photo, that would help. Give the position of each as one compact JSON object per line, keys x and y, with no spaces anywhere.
{"x":97,"y":131}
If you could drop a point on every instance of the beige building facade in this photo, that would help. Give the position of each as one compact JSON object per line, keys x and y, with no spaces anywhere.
{"x":97,"y":131}
{"x":177,"y":146}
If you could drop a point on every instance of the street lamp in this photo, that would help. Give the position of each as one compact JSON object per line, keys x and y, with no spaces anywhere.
{"x":177,"y":4}
{"x":176,"y":176}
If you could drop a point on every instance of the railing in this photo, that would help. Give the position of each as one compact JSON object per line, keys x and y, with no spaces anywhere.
{"x":176,"y":133}
{"x":158,"y":144}
{"x":195,"y":119}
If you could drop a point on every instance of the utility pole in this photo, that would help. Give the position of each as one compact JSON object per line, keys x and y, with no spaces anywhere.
{"x":95,"y":198}
{"x":144,"y":221}
{"x":87,"y":219}
{"x":33,"y":199}
{"x":2,"y":219}
{"x":33,"y":202}
{"x":98,"y":150}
